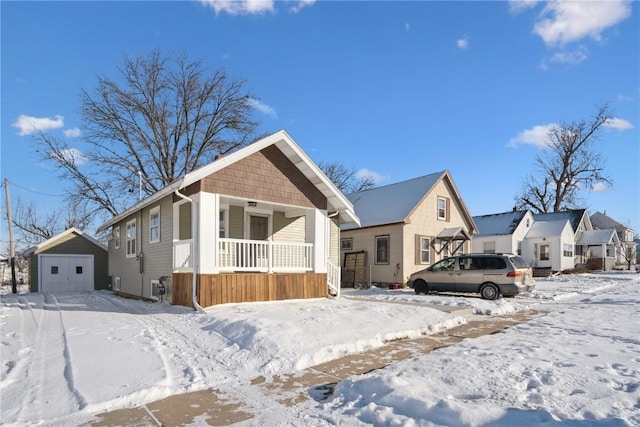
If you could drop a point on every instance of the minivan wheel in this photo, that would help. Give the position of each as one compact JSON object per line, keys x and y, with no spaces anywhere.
{"x":420,"y":286}
{"x":489,"y":291}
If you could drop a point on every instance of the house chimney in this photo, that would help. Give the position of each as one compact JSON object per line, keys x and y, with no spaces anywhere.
{"x":218,"y":156}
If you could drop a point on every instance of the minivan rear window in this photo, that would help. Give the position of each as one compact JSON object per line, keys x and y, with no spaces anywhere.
{"x":519,"y":262}
{"x":490,"y":263}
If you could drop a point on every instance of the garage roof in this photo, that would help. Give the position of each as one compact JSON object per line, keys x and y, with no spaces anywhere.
{"x":59,"y":237}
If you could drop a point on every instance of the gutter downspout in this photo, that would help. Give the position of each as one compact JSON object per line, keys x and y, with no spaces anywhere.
{"x":195,"y":240}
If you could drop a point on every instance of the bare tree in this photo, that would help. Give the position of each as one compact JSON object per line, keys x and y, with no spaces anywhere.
{"x":34,"y":227}
{"x":345,"y":179}
{"x":163,"y":118}
{"x":568,"y":165}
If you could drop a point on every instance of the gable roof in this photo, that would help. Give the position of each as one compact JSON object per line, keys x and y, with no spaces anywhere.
{"x":604,"y":222}
{"x":57,"y":237}
{"x":573,"y":215}
{"x":395,"y":203}
{"x":500,"y":224}
{"x":337,"y":202}
{"x":547,"y":228}
{"x":598,"y":237}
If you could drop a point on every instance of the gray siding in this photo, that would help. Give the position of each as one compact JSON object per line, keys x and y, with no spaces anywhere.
{"x":157,"y":259}
{"x":236,"y":222}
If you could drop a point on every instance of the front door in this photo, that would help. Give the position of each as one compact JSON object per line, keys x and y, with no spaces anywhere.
{"x":258,"y":230}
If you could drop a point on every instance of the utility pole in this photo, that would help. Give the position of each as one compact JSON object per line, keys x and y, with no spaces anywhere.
{"x":12,"y":252}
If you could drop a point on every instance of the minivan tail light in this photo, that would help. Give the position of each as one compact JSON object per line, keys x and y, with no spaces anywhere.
{"x":514,"y":274}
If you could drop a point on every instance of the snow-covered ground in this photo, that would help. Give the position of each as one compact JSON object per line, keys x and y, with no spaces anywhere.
{"x":69,"y":356}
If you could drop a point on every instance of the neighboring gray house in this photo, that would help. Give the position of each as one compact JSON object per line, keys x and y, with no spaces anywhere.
{"x":627,"y":253}
{"x":259,"y":224}
{"x":69,"y":261}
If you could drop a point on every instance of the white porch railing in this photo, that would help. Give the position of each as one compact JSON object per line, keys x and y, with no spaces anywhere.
{"x":182,"y":254}
{"x":264,"y":255}
{"x":333,"y":279}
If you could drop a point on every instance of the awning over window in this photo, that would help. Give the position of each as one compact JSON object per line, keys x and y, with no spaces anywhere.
{"x":453,"y":233}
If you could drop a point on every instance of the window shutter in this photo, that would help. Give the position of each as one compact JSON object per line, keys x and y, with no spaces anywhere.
{"x":417,"y":249}
{"x":448,"y":208}
{"x":432,"y":252}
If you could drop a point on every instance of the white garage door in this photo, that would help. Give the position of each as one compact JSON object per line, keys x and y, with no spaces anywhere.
{"x":66,"y":273}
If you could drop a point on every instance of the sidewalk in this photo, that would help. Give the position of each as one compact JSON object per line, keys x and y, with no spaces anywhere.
{"x":317,"y":382}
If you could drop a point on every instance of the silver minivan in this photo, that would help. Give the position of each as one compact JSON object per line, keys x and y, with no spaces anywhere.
{"x":491,"y":275}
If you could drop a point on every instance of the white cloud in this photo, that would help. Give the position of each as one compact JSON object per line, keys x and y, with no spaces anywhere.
{"x":73,"y":155}
{"x":599,"y":187}
{"x":517,"y":6}
{"x":463,"y":42}
{"x":537,"y":136}
{"x":562,"y":22}
{"x":365,"y":173}
{"x":28,"y":125}
{"x":619,"y":124}
{"x":407,"y":26}
{"x":263,"y":108}
{"x":301,"y":4}
{"x":240,"y":7}
{"x":72,"y":133}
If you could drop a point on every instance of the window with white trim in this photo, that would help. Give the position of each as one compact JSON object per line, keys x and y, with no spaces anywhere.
{"x":131,"y":238}
{"x":116,"y":237}
{"x":425,"y":250}
{"x":116,"y":283}
{"x":567,"y":250}
{"x":442,"y":208}
{"x":489,"y":247}
{"x":346,"y":244}
{"x":154,"y":225}
{"x":222,"y":224}
{"x":382,"y":249}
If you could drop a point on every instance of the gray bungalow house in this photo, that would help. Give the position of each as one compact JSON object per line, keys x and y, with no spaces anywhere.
{"x":404,"y":227}
{"x":259,"y":224}
{"x":627,"y":252}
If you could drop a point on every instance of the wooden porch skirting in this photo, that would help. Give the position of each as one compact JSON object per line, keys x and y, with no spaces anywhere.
{"x":247,"y":287}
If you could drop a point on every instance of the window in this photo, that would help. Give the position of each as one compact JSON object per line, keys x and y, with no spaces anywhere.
{"x":567,"y":250}
{"x":489,"y":247}
{"x":54,"y":269}
{"x":425,"y":250}
{"x":544,"y":252}
{"x":490,"y":263}
{"x":442,"y":208}
{"x":116,"y":283}
{"x":79,"y":269}
{"x":154,"y":225}
{"x":382,"y":249}
{"x":346,"y":244}
{"x":131,"y":238}
{"x":116,"y":237}
{"x":222,"y":226}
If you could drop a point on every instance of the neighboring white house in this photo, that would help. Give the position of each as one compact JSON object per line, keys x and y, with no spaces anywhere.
{"x":627,"y":252}
{"x":550,"y":245}
{"x":502,"y":232}
{"x":600,"y":248}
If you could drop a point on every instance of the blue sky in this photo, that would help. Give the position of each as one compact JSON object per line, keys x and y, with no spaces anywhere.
{"x":398,"y":89}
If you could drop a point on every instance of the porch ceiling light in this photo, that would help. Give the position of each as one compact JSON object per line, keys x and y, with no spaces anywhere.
{"x":252,"y":204}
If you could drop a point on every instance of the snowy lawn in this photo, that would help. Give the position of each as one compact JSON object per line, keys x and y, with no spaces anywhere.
{"x":69,"y":356}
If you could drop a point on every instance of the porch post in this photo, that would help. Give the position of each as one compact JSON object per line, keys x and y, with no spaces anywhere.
{"x":316,"y":232}
{"x":208,"y":232}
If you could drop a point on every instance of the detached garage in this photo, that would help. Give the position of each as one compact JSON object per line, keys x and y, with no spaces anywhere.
{"x":71,"y":261}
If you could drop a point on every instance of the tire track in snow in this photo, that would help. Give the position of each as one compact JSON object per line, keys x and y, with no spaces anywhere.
{"x":50,"y":376}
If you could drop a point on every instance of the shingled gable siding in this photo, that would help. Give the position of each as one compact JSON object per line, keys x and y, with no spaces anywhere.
{"x":266,"y":175}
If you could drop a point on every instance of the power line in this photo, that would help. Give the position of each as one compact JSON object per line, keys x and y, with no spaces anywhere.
{"x":33,"y":191}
